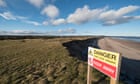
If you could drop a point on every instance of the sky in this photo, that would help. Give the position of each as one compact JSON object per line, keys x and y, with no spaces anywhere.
{"x":70,"y":17}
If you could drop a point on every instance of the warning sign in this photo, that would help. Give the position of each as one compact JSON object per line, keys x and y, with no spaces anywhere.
{"x":105,"y":61}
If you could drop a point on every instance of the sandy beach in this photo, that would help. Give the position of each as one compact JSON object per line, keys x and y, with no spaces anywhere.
{"x":130,"y":52}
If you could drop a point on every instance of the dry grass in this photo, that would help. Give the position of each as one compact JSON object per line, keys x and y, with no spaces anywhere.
{"x":40,"y":61}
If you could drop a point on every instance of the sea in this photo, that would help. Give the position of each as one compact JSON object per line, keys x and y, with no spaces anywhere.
{"x":135,"y":39}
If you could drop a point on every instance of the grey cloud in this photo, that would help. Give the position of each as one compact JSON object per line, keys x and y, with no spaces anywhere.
{"x":2,"y":3}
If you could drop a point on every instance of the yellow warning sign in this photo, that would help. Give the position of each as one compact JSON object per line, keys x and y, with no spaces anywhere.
{"x":108,"y":57}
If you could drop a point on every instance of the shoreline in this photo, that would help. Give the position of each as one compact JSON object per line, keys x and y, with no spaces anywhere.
{"x":129,"y":51}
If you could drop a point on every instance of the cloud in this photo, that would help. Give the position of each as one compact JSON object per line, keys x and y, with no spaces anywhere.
{"x":68,"y":30}
{"x":45,"y":23}
{"x":58,"y":21}
{"x":32,"y":22}
{"x":8,"y":16}
{"x":31,"y":32}
{"x":19,"y":32}
{"x":113,"y":17}
{"x":105,"y":16}
{"x":21,"y":17}
{"x":54,"y":22}
{"x":83,"y":15}
{"x":125,"y":10}
{"x":50,"y":11}
{"x":37,"y":3}
{"x":62,"y":31}
{"x":136,"y":17}
{"x":24,"y":32}
{"x":123,"y":19}
{"x":2,"y":3}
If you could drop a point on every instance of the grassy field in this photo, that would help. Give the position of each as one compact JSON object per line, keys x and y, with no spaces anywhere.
{"x":42,"y":61}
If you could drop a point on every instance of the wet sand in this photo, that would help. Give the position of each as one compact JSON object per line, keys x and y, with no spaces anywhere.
{"x":130,"y":52}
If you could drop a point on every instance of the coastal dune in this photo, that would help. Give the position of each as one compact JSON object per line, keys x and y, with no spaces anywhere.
{"x":62,"y":60}
{"x":130,"y":52}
